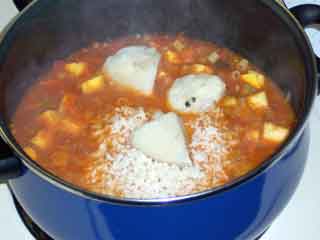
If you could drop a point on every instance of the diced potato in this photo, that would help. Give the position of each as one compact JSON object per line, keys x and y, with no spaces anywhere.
{"x":41,"y":139}
{"x":253,"y":135}
{"x":229,"y":101}
{"x":213,"y":57}
{"x":178,"y":45}
{"x":254,"y":79}
{"x":274,"y":133}
{"x":76,"y":69}
{"x":70,"y":126}
{"x":196,"y":69}
{"x":258,"y":101}
{"x":50,"y":117}
{"x":30,"y":152}
{"x":172,"y":57}
{"x":200,"y":68}
{"x":93,"y":85}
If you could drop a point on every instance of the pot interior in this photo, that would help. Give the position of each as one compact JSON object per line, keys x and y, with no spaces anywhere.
{"x":51,"y":30}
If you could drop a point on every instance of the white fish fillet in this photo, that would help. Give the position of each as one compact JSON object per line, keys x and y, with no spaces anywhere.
{"x":163,"y":139}
{"x":134,"y":67}
{"x":195,"y":93}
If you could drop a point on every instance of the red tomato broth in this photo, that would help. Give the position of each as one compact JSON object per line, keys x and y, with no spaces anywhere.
{"x":69,"y":155}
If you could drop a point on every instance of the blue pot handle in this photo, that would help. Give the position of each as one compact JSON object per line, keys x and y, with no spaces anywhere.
{"x":308,"y":14}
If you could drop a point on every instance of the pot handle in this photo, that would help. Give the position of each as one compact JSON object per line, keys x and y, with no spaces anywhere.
{"x":21,"y":4}
{"x":308,"y":14}
{"x":10,"y":166}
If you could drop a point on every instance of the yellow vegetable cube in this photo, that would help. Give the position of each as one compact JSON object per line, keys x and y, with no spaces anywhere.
{"x":200,"y":68}
{"x":213,"y":57}
{"x":254,"y":79}
{"x":50,"y":117}
{"x":172,"y":57}
{"x":178,"y":45}
{"x":196,"y":69}
{"x":258,"y":101}
{"x":41,"y":139}
{"x":76,"y":69}
{"x":93,"y":85}
{"x":274,"y":133}
{"x":229,"y":101}
{"x":30,"y":152}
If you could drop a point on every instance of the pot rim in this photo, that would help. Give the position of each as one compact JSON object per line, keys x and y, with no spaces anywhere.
{"x":311,"y":74}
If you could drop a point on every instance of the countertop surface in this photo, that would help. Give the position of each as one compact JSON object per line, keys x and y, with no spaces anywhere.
{"x":299,"y":221}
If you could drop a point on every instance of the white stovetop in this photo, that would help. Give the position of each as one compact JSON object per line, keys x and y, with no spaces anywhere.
{"x":299,"y":221}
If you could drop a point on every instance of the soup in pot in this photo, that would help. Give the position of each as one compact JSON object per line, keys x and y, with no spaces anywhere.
{"x":152,"y":116}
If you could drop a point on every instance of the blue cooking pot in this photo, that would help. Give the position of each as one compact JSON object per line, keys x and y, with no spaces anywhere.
{"x":261,"y":30}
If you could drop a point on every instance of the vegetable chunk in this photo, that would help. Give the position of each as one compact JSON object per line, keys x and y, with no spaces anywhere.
{"x":258,"y":101}
{"x":163,"y":140}
{"x":229,"y":101}
{"x":254,"y":79}
{"x":274,"y":133}
{"x":93,"y":85}
{"x":76,"y":69}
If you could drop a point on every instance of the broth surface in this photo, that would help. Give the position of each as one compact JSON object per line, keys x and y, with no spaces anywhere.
{"x":58,"y":125}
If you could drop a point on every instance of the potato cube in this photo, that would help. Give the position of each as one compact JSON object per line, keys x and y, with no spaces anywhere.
{"x":200,"y":68}
{"x":172,"y":57}
{"x":93,"y":85}
{"x":76,"y":68}
{"x":41,"y":139}
{"x":254,"y":79}
{"x":213,"y":57}
{"x":274,"y":133}
{"x":229,"y":101}
{"x":178,"y":45}
{"x":258,"y":101}
{"x":196,"y":69}
{"x":50,"y":117}
{"x":30,"y":152}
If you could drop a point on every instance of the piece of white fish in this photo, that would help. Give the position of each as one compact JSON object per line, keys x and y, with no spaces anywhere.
{"x":195,"y":93}
{"x":134,"y":67}
{"x":163,"y":139}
